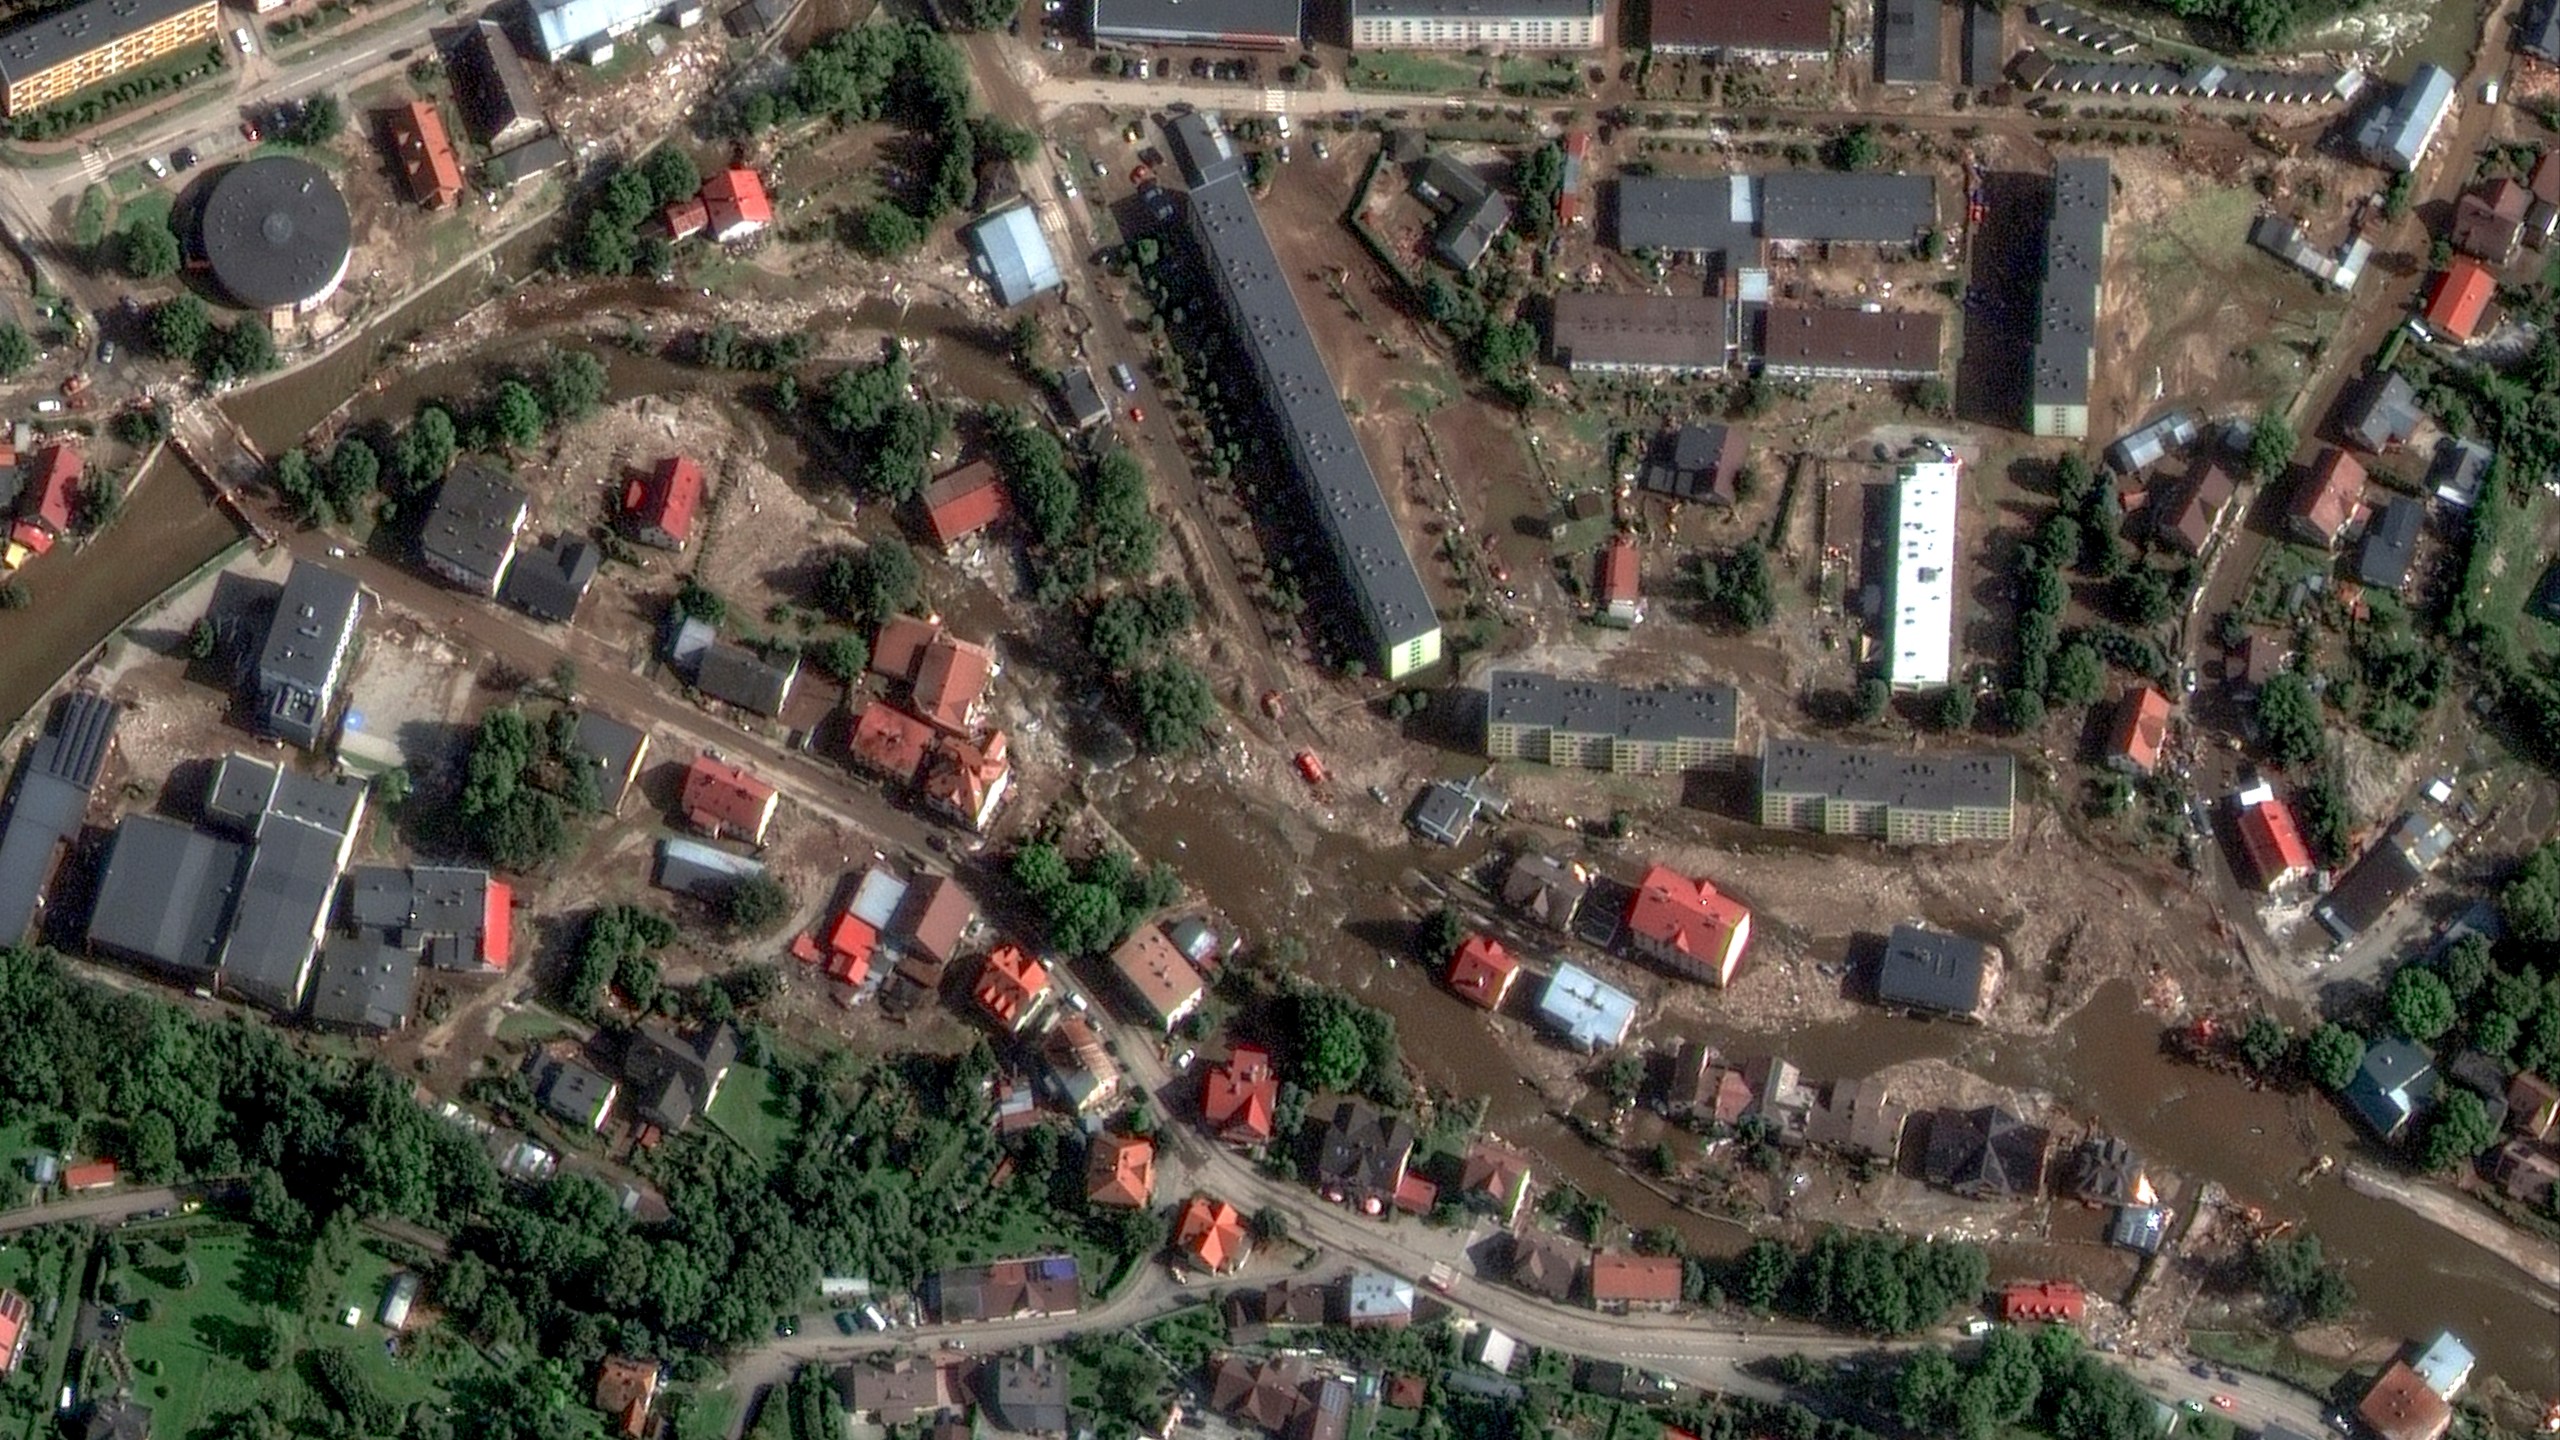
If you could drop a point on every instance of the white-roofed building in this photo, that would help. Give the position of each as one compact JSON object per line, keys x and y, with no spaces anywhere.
{"x":1920,"y":624}
{"x":1014,"y":255}
{"x":588,"y":28}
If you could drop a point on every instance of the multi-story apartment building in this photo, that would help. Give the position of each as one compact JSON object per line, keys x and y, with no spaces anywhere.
{"x":63,"y":51}
{"x":1595,"y":725}
{"x":1477,"y":25}
{"x":2065,"y":360}
{"x":1906,"y":799}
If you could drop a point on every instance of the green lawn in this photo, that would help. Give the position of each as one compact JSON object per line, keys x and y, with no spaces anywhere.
{"x":2266,"y":1355}
{"x":706,"y":1414}
{"x":2522,"y":555}
{"x":747,"y":1113}
{"x":44,"y":1273}
{"x":1391,"y":71}
{"x":153,"y":204}
{"x":209,"y":1300}
{"x":532,"y":1023}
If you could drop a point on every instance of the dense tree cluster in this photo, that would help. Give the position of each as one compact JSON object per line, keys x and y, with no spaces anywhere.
{"x":1539,"y":180}
{"x":182,"y":329}
{"x":888,"y":431}
{"x":607,"y":240}
{"x":2300,"y":1284}
{"x":616,"y":951}
{"x":149,"y":248}
{"x":1132,"y":626}
{"x":2042,"y":1380}
{"x":873,"y":583}
{"x":906,"y":74}
{"x":331,"y":488}
{"x":1090,"y":906}
{"x":1337,"y":1043}
{"x":1735,"y":586}
{"x":1859,"y":1280}
{"x":1494,"y":342}
{"x":521,"y":785}
{"x":2289,"y":726}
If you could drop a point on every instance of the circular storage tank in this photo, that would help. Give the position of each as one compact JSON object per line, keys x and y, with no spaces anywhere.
{"x":276,"y":233}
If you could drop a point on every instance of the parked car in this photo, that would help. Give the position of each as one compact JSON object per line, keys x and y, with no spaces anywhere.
{"x":241,"y":38}
{"x":1126,"y":378}
{"x":106,"y":352}
{"x":159,"y":167}
{"x":847,"y":1323}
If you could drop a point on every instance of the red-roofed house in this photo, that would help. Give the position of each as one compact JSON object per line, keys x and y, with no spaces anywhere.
{"x":1620,"y":590}
{"x":14,"y":1315}
{"x":963,"y":502}
{"x":1572,"y":204}
{"x":736,"y":201}
{"x":2403,"y":1406}
{"x":626,"y":1389}
{"x":2273,"y":843}
{"x":2327,"y":498}
{"x":1496,"y":1177}
{"x":1415,"y":1195}
{"x":660,"y":505}
{"x":2142,"y":727}
{"x":53,"y":491}
{"x":1011,"y":987}
{"x":2460,"y":300}
{"x":1120,"y":1170}
{"x":941,"y":914}
{"x":951,"y":683}
{"x":1482,"y":971}
{"x":1688,"y":926}
{"x":95,"y":1175}
{"x":497,"y":924}
{"x":2044,"y":1300}
{"x":418,"y":138}
{"x":1240,"y":1095}
{"x":969,"y":778}
{"x":850,"y":942}
{"x":723,"y":799}
{"x":899,"y":646}
{"x":1622,"y":1281}
{"x":1213,"y":1234}
{"x":891,"y":741}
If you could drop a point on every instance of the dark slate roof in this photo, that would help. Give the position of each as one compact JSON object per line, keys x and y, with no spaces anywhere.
{"x":1928,"y":970}
{"x":571,"y":1091}
{"x":473,"y":519}
{"x":1696,"y":462}
{"x":275,"y":231}
{"x":540,"y":155}
{"x":1201,"y":144}
{"x":1987,"y":1152}
{"x":2538,"y":31}
{"x":2386,"y":412}
{"x":757,"y":17}
{"x":37,"y":45}
{"x":1583,"y":707}
{"x":2391,"y":544}
{"x":51,"y":798}
{"x":612,"y":746}
{"x":1029,"y":1393}
{"x":1983,"y":47}
{"x":745,"y":679}
{"x":1443,"y":812}
{"x":1926,"y":782}
{"x":1680,"y":332}
{"x":1826,"y":205}
{"x":284,"y":896}
{"x":1327,"y":461}
{"x":548,"y":581}
{"x":1362,"y":1150}
{"x":317,"y":606}
{"x":1907,"y":52}
{"x":1716,"y":215}
{"x":363,"y":984}
{"x":166,"y":894}
{"x":2369,"y":889}
{"x":673,"y":1074}
{"x":2075,"y":243}
{"x":498,"y":96}
{"x":1200,"y":21}
{"x":1081,"y":397}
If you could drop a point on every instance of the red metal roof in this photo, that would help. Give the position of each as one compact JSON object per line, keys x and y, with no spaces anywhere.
{"x":2327,"y":501}
{"x":1686,"y":917}
{"x":2273,"y":842}
{"x":94,"y":1175}
{"x":13,"y":1328}
{"x":1482,"y":971}
{"x":497,"y":924}
{"x":2043,"y":1300}
{"x":1617,"y":1275}
{"x":1211,"y":1232}
{"x":1415,"y":1195}
{"x":666,"y":498}
{"x":964,"y":501}
{"x":56,"y":488}
{"x":1120,"y":1170}
{"x":2142,"y":727}
{"x":1618,"y":569}
{"x":736,"y":199}
{"x":951,"y":678}
{"x":426,"y":154}
{"x":891,"y":741}
{"x":723,"y":797}
{"x":900,"y":645}
{"x":686,"y":219}
{"x":1011,"y":983}
{"x":2461,"y":298}
{"x":1240,"y":1094}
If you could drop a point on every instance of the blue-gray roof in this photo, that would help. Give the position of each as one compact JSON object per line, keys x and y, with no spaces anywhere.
{"x":275,"y":927}
{"x":1214,"y":22}
{"x":2396,"y":132}
{"x":1907,"y":52}
{"x":1916,"y":781}
{"x":2391,"y":544}
{"x":690,"y":867}
{"x":2394,"y":1080}
{"x":1931,"y":970}
{"x":2075,"y":248}
{"x":1016,"y":254}
{"x":166,"y":894}
{"x":1715,"y":215}
{"x":1590,"y":1011}
{"x":52,"y":796}
{"x":1825,"y":205}
{"x":1325,"y":454}
{"x":572,"y":25}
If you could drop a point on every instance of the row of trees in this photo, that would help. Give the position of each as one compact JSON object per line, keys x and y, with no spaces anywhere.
{"x":1860,"y":1280}
{"x":2044,"y":1380}
{"x":183,"y":330}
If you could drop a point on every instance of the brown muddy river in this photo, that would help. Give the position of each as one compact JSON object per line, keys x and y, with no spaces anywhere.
{"x":2104,"y":1064}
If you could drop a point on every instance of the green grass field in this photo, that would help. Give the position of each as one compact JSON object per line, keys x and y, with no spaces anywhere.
{"x":747,"y":1113}
{"x":209,"y":1301}
{"x":1390,"y":71}
{"x":2524,"y":552}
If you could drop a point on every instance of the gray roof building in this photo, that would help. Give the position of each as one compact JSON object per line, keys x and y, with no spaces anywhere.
{"x":275,"y":232}
{"x":363,"y":984}
{"x":1908,"y":41}
{"x":284,"y":904}
{"x":1678,"y":334}
{"x":471,"y":528}
{"x":1443,"y":812}
{"x":1027,"y":1392}
{"x":745,"y":679}
{"x":2538,"y":31}
{"x":2386,"y":413}
{"x":497,"y":88}
{"x":705,"y":872}
{"x":548,"y":581}
{"x":1325,"y":456}
{"x":615,"y":749}
{"x":676,"y":1077}
{"x":2396,"y":133}
{"x":1472,"y":212}
{"x":1929,"y":970}
{"x":538,"y":156}
{"x":2391,"y":543}
{"x":573,"y":1092}
{"x":1799,"y":28}
{"x":1802,"y":766}
{"x":2461,"y":466}
{"x":52,"y":798}
{"x":1697,"y":462}
{"x":1204,"y":148}
{"x":1817,"y":342}
{"x":2386,"y":873}
{"x":451,"y":917}
{"x":1824,"y":205}
{"x":1716,"y":218}
{"x":1251,"y":24}
{"x":1081,"y":398}
{"x":305,"y":650}
{"x":1584,"y":707}
{"x":166,"y":895}
{"x":1985,"y":51}
{"x":2064,"y":363}
{"x":1015,"y":254}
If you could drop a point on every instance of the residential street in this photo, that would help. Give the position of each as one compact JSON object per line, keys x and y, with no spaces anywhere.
{"x":106,"y":1207}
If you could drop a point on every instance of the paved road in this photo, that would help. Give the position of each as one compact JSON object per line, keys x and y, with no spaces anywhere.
{"x":110,"y":1206}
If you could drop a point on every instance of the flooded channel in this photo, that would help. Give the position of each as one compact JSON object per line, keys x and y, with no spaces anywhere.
{"x":2104,"y":1067}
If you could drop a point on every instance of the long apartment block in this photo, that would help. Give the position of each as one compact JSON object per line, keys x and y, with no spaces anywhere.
{"x":2065,"y":361}
{"x":62,"y":52}
{"x":1887,"y":795}
{"x":1478,"y":25}
{"x":1596,"y":725}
